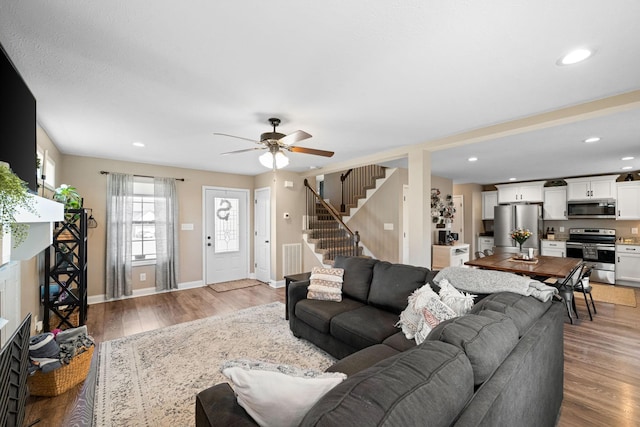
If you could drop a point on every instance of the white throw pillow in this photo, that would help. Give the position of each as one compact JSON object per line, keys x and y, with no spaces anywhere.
{"x":278,"y":395}
{"x":424,"y":311}
{"x":325,"y":284}
{"x":460,"y":302}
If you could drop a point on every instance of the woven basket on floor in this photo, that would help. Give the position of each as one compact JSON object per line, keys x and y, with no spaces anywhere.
{"x":62,"y":379}
{"x":56,"y":322}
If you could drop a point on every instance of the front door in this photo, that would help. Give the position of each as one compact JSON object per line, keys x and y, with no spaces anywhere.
{"x":226,"y":235}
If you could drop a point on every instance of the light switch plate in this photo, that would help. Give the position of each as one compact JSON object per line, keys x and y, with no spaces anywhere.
{"x":634,"y":230}
{"x":388,"y":226}
{"x":187,"y":227}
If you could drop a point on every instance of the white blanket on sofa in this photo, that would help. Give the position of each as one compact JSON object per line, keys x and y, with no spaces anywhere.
{"x":489,"y":282}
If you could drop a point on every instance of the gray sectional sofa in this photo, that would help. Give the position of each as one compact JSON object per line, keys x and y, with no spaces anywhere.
{"x":500,"y":365}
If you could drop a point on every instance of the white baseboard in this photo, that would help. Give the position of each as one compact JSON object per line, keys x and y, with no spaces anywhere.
{"x":96,"y":299}
{"x":277,"y":283}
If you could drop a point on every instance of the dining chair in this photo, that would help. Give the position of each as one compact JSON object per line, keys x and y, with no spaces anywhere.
{"x":479,"y":254}
{"x":585,"y":287}
{"x":566,"y":287}
{"x":488,"y":252}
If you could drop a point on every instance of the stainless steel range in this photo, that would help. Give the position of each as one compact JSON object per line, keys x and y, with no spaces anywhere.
{"x":597,"y":247}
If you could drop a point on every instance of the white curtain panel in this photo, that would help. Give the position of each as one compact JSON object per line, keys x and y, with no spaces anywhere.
{"x":119,"y":229}
{"x":166,"y":221}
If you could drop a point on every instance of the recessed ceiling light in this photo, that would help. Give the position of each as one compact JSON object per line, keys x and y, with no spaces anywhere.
{"x":624,"y":168}
{"x":472,"y":159}
{"x":592,"y":139}
{"x":628,"y":158}
{"x":575,"y":56}
{"x":512,"y":179}
{"x":138,"y":144}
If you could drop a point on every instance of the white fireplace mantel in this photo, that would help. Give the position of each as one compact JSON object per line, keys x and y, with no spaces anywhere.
{"x":40,"y":236}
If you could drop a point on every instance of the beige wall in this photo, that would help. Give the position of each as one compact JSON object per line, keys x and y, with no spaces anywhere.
{"x":384,"y":206}
{"x":84,"y":174}
{"x":472,"y":222}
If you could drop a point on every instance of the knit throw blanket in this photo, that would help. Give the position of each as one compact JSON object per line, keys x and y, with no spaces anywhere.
{"x":488,"y":282}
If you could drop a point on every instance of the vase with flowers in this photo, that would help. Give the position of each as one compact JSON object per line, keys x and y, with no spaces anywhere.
{"x":520,"y":235}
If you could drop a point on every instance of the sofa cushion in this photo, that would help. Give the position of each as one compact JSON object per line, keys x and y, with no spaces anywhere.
{"x":318,"y":314}
{"x":363,"y":326}
{"x":427,"y":385}
{"x":363,"y":359}
{"x":393,"y":283}
{"x":523,"y":310}
{"x":486,"y":341}
{"x":399,"y":342}
{"x":357,"y":276}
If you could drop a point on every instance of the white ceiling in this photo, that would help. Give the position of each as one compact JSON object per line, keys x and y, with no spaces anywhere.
{"x":360,"y":76}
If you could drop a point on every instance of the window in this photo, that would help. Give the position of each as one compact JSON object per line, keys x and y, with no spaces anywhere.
{"x":143,"y":236}
{"x":47,"y":168}
{"x":227,"y":225}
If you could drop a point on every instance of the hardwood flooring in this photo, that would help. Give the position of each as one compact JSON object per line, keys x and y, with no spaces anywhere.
{"x":602,"y":358}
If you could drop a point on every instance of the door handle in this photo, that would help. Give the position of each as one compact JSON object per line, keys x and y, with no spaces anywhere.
{"x":208,"y":244}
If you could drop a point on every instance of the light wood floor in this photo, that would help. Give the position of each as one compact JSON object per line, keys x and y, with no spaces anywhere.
{"x":602,"y":358}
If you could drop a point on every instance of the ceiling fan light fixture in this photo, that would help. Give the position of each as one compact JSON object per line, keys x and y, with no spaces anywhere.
{"x":274,"y":161}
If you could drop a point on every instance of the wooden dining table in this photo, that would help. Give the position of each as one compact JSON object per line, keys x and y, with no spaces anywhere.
{"x":541,"y":266}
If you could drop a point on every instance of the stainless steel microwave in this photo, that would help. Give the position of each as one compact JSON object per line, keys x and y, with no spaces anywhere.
{"x":591,"y":209}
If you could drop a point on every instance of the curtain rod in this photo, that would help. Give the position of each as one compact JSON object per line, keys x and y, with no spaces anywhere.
{"x":141,"y":176}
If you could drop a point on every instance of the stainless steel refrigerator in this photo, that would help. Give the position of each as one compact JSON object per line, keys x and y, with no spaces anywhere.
{"x":509,"y":217}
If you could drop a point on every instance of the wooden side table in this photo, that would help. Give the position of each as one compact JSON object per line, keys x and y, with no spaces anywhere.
{"x":287,"y":280}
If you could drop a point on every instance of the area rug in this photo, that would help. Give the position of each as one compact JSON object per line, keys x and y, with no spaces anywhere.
{"x":234,"y":284}
{"x":152,"y":378}
{"x":613,"y":294}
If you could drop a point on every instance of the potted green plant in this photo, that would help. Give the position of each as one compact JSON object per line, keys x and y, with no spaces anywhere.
{"x":71,"y":199}
{"x":14,"y":195}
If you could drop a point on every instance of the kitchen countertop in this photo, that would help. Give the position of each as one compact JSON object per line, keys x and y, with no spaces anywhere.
{"x":628,"y":241}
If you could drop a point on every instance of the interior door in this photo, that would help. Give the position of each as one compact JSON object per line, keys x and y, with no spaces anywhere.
{"x":226,"y":235}
{"x":457,"y":226}
{"x":262,"y":241}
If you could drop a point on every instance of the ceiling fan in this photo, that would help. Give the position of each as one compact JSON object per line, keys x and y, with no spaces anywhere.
{"x":276,"y":143}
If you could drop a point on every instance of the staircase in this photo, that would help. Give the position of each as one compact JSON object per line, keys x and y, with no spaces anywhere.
{"x":326,"y":231}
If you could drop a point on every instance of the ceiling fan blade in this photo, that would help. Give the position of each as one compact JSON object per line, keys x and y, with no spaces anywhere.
{"x":310,"y":151}
{"x":238,"y":137}
{"x":243,"y":151}
{"x":294,"y":137}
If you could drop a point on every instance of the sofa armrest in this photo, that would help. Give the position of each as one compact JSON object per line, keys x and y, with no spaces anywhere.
{"x":218,"y":406}
{"x":297,"y":292}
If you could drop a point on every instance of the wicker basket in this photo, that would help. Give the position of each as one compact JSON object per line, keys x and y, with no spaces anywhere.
{"x":62,"y":379}
{"x":55,"y":320}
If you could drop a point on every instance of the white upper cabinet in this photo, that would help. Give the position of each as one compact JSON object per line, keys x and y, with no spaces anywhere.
{"x":628,"y":200}
{"x":555,"y":203}
{"x":489,"y":201}
{"x":593,"y":187}
{"x":522,"y":192}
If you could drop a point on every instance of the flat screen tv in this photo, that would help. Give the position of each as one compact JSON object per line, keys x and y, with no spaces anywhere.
{"x":17,"y":123}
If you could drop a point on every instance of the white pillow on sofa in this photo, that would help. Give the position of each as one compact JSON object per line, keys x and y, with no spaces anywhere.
{"x":278,"y":395}
{"x":325,"y":284}
{"x":424,"y":311}
{"x":460,"y":302}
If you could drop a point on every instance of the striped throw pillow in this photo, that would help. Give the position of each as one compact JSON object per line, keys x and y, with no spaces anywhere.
{"x":325,"y":284}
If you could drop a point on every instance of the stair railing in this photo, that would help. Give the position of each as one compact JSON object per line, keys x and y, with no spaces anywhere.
{"x":337,"y":237}
{"x":354,"y":183}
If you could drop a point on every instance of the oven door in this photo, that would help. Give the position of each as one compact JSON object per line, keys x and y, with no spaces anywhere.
{"x":574,"y":250}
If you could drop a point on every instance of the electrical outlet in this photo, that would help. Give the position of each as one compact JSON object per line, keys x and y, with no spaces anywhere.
{"x":634,"y":230}
{"x":562,"y":229}
{"x":143,"y":277}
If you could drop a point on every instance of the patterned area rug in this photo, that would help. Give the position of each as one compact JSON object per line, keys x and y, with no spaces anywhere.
{"x":152,"y":378}
{"x":613,"y":294}
{"x":234,"y":284}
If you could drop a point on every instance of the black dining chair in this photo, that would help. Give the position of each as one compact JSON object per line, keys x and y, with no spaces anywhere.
{"x":584,"y":286}
{"x":566,"y":287}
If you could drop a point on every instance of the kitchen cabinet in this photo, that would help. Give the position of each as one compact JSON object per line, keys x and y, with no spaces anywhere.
{"x":628,"y":200}
{"x":522,"y":192}
{"x":484,"y":242}
{"x":449,"y":256}
{"x":592,"y":187}
{"x":555,"y":203}
{"x":628,"y":264}
{"x":489,"y":201}
{"x":553,"y":248}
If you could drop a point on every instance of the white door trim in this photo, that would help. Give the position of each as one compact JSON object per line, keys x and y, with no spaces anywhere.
{"x":256,"y":242}
{"x":204,"y":226}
